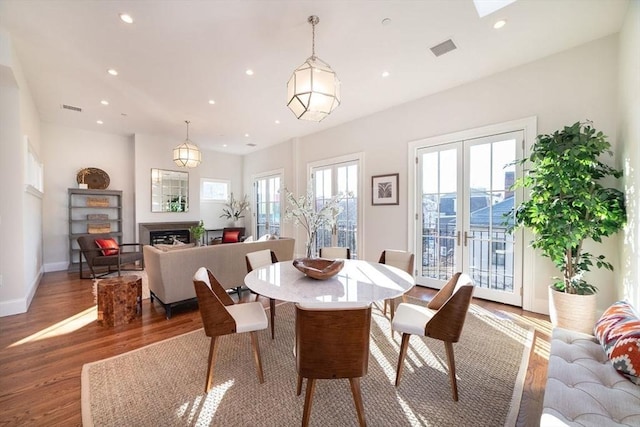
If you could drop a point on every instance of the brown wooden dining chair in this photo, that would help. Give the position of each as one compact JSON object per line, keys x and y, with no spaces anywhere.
{"x":220,"y":316}
{"x":442,"y":319}
{"x":259,"y":259}
{"x":332,"y":341}
{"x":333,"y":252}
{"x":404,"y":261}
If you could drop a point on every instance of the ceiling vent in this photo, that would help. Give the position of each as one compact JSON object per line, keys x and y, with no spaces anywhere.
{"x":251,"y":144}
{"x":444,"y":47}
{"x":72,"y":108}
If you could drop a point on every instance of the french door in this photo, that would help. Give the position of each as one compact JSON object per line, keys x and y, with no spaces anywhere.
{"x":267,"y":208}
{"x":465,"y":198}
{"x":330,"y":180}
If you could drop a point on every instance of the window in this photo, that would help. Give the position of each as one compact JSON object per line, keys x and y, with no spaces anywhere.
{"x":267,"y":207}
{"x":33,"y":180}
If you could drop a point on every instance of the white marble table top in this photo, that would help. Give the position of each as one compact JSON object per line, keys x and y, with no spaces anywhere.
{"x":358,"y":281}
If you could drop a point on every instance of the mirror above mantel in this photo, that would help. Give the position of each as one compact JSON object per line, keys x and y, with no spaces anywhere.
{"x":169,"y":191}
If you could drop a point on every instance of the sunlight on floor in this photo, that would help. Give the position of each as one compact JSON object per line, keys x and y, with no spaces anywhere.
{"x":65,"y":326}
{"x":203,"y":408}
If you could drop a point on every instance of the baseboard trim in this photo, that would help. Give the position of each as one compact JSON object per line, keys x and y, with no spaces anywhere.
{"x":55,"y":266}
{"x":21,"y":305}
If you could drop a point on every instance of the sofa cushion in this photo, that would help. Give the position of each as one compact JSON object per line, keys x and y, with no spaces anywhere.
{"x":582,"y":387}
{"x":174,"y":247}
{"x":108,"y":246}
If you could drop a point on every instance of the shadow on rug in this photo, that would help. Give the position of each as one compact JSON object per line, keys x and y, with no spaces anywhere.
{"x":163,"y":384}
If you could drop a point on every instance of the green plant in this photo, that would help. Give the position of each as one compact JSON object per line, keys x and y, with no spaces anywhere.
{"x":197,"y":231}
{"x":568,"y":203}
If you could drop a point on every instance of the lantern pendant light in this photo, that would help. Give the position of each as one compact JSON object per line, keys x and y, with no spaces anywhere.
{"x":313,"y":91}
{"x":187,"y":154}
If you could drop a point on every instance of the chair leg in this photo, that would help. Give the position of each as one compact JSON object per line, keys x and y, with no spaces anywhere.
{"x":357,"y":399}
{"x":213,"y":350}
{"x":299,"y":386}
{"x":272,"y":309}
{"x":384,"y":310}
{"x":256,"y":355}
{"x":308,"y":398}
{"x":452,"y":369}
{"x":401,"y":356}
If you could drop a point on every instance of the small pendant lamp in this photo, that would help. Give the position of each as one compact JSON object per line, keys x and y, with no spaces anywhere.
{"x":187,"y":154}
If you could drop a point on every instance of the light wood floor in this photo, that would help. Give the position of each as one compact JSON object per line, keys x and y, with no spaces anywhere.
{"x":43,"y":350}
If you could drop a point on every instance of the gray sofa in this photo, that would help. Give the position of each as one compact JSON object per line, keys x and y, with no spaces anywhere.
{"x":170,"y":272}
{"x":583,"y":388}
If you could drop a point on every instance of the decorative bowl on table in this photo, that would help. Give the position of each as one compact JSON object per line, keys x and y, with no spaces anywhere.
{"x":319,"y":268}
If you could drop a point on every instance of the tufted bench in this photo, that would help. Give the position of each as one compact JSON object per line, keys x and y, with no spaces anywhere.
{"x":583,"y":388}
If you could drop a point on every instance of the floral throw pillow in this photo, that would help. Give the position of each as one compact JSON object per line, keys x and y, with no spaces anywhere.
{"x":618,"y":331}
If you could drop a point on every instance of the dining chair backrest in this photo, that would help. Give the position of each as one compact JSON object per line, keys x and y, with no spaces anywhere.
{"x":212,"y":302}
{"x":447,"y":322}
{"x":333,"y":252}
{"x":332,"y":342}
{"x":259,"y":259}
{"x":400,"y":259}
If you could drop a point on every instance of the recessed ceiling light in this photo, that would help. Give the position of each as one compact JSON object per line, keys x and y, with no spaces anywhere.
{"x":246,"y":135}
{"x":277,"y":122}
{"x":386,"y":21}
{"x":99,"y":122}
{"x":211,"y":101}
{"x":385,"y":74}
{"x":499,"y":24}
{"x":249,"y":72}
{"x":104,"y":102}
{"x":224,"y":145}
{"x":125,"y":17}
{"x":112,"y":72}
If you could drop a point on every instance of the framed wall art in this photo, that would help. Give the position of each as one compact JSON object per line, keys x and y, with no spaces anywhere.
{"x":384,"y":189}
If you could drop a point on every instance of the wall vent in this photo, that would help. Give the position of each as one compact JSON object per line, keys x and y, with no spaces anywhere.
{"x":72,"y":108}
{"x":444,"y":47}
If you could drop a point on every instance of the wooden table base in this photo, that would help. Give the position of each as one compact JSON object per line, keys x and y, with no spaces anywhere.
{"x":119,"y":300}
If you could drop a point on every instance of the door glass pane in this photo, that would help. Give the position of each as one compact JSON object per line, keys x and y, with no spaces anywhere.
{"x":490,"y":247}
{"x":341,"y":178}
{"x":267,"y":206}
{"x":439,"y":210}
{"x":323,"y":193}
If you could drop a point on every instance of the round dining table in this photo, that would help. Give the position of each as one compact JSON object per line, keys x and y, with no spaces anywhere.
{"x":358,"y":281}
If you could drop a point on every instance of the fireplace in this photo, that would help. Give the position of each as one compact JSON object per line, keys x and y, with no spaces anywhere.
{"x":168,"y":237}
{"x":153,"y":233}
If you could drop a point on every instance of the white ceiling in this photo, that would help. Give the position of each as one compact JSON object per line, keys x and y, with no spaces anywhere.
{"x":178,"y":54}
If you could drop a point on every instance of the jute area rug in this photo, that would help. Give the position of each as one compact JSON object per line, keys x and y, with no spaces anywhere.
{"x":163,"y":384}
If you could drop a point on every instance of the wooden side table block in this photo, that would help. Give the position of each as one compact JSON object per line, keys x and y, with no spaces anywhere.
{"x":119,"y":300}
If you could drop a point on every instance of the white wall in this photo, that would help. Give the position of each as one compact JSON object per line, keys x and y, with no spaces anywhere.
{"x":156,"y":151}
{"x":20,"y":211}
{"x":564,"y":88}
{"x":629,"y":131}
{"x":67,"y":151}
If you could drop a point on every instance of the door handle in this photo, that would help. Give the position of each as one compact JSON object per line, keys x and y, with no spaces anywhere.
{"x":466,"y":236}
{"x":458,"y":238}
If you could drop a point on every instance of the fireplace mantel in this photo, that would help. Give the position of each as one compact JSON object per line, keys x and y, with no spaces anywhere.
{"x":145,"y":228}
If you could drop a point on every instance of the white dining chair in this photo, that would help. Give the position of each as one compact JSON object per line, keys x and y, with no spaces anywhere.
{"x":220,"y":316}
{"x":259,"y":259}
{"x":442,"y":319}
{"x":400,"y":259}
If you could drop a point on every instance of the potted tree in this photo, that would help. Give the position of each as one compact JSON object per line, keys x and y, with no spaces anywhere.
{"x":567,"y":205}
